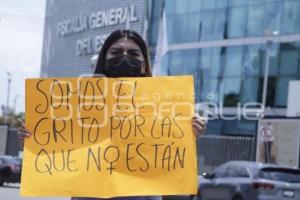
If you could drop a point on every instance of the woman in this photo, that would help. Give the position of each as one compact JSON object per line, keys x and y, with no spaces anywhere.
{"x":125,"y":54}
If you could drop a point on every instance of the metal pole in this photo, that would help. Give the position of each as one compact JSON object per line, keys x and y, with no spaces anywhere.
{"x":266,"y":75}
{"x":15,"y":103}
{"x":7,"y":98}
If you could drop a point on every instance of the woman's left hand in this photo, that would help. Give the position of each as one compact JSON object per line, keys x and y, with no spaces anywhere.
{"x":199,"y":125}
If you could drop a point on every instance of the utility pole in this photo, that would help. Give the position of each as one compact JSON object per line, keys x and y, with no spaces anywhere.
{"x":7,"y":98}
{"x":15,"y":103}
{"x":269,"y":44}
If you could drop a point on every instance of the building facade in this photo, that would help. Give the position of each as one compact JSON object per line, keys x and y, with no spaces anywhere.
{"x":225,"y":44}
{"x":74,"y":33}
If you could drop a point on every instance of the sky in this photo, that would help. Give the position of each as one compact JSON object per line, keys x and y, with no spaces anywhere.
{"x":21,"y":40}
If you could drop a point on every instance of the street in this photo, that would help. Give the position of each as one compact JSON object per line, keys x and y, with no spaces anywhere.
{"x":11,"y":192}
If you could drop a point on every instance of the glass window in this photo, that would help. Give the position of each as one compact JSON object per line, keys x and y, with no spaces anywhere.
{"x":185,"y":26}
{"x":176,"y":63}
{"x":237,"y":171}
{"x":182,"y":62}
{"x":272,"y":19}
{"x":220,"y":90}
{"x":222,"y":3}
{"x":274,"y":60}
{"x":192,"y":27}
{"x":291,"y":17}
{"x":270,"y":90}
{"x":206,"y":58}
{"x":206,"y":5}
{"x":176,"y":6}
{"x":153,"y":31}
{"x":234,"y":61}
{"x":193,"y":5}
{"x":249,"y":89}
{"x":164,"y":68}
{"x":237,"y":21}
{"x":255,"y":20}
{"x":220,"y":171}
{"x":173,"y":22}
{"x":231,"y":91}
{"x":209,"y":88}
{"x":253,"y":60}
{"x":243,"y":173}
{"x":232,"y":171}
{"x":246,"y":127}
{"x":200,"y":85}
{"x":238,"y":127}
{"x":289,"y":58}
{"x":238,"y":2}
{"x":282,"y":86}
{"x":219,"y":24}
{"x":207,"y":25}
{"x":217,"y":62}
{"x":253,"y":2}
{"x":191,"y":61}
{"x":170,"y":7}
{"x":213,"y":88}
{"x":214,"y":127}
{"x":229,"y":126}
{"x":280,"y":174}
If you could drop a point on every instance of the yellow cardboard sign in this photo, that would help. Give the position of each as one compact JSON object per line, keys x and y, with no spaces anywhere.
{"x":106,"y":137}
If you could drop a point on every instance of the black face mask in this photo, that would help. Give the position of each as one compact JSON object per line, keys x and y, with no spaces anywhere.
{"x":123,"y":66}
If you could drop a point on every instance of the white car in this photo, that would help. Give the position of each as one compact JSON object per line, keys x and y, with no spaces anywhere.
{"x":245,"y":180}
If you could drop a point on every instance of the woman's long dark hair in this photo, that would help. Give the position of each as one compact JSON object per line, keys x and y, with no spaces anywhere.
{"x":112,"y":38}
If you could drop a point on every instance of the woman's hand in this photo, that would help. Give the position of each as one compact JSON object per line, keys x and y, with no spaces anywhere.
{"x":23,"y":133}
{"x":199,"y":125}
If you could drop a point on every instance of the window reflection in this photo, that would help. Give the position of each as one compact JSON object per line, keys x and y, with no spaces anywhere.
{"x":208,"y":5}
{"x":235,"y":74}
{"x":282,"y":86}
{"x":238,"y":2}
{"x":291,"y":17}
{"x":253,"y":60}
{"x":255,"y":20}
{"x":237,"y":21}
{"x":217,"y":62}
{"x":204,"y":20}
{"x":234,"y":56}
{"x":249,"y":92}
{"x":272,"y":17}
{"x":289,"y":58}
{"x":231,"y":91}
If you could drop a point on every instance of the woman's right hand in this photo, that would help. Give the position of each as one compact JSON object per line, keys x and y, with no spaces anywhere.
{"x":23,"y":132}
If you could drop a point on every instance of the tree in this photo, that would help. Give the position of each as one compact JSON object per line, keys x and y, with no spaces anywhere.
{"x":13,"y":119}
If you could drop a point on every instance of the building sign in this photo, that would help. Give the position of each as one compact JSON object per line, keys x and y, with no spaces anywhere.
{"x":265,"y":133}
{"x":95,"y":20}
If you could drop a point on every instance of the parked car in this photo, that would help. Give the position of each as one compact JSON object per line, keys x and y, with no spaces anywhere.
{"x":243,"y":180}
{"x":18,"y":160}
{"x":10,"y":170}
